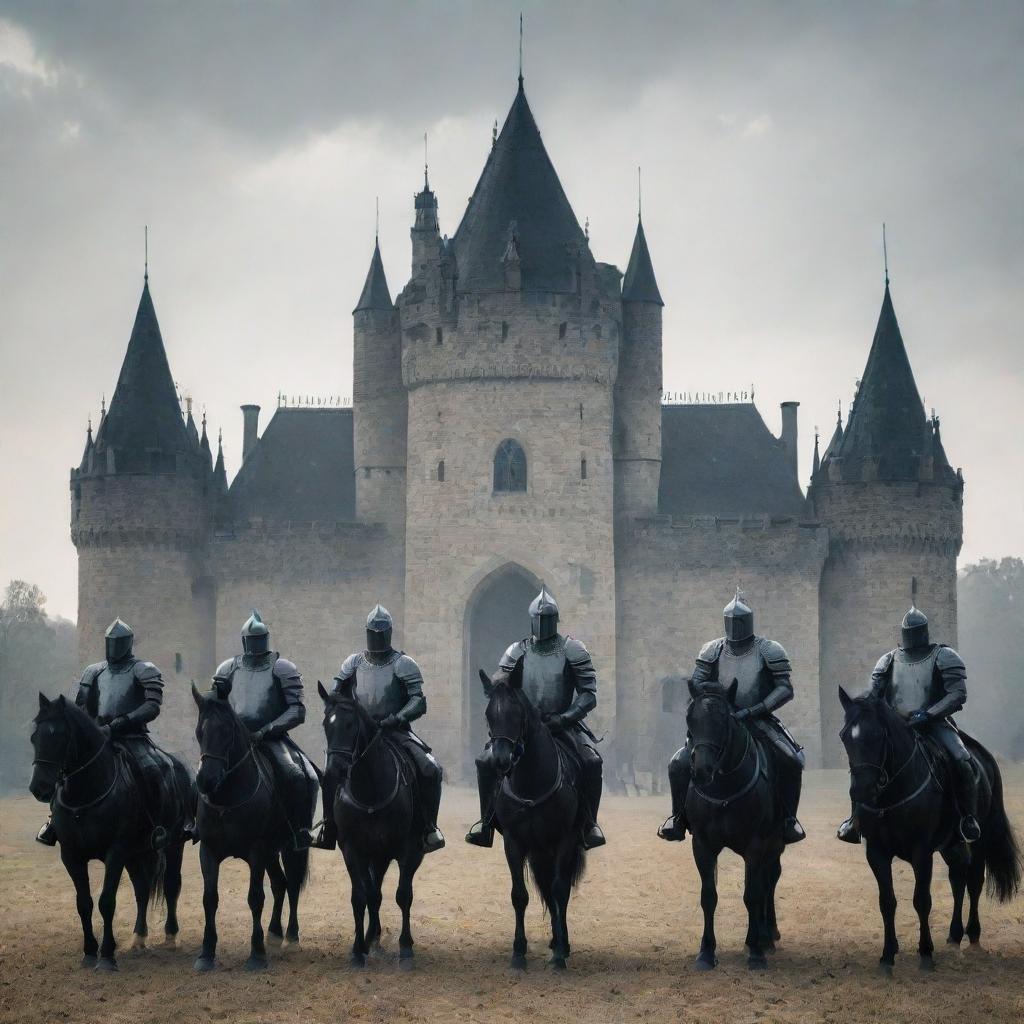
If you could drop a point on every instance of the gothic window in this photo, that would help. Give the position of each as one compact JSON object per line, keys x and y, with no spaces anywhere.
{"x":583,"y":469}
{"x":178,"y":663}
{"x":504,"y":330}
{"x":440,"y":471}
{"x":509,"y":467}
{"x":439,"y":336}
{"x":562,"y":328}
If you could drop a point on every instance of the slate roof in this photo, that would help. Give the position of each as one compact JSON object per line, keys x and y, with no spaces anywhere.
{"x":301,"y":470}
{"x":519,"y":183}
{"x":143,"y":424}
{"x":887,"y":420}
{"x":639,"y":284}
{"x":721,"y":460}
{"x":376,"y":294}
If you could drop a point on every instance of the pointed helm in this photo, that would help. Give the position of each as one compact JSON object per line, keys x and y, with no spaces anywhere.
{"x":118,"y":640}
{"x":739,"y":619}
{"x":379,"y":626}
{"x":255,"y":635}
{"x":914,"y":629}
{"x":543,"y":615}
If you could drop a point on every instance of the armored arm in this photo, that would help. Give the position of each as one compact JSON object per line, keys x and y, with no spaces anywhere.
{"x":85,"y":698}
{"x":880,"y":676}
{"x":290,"y":681}
{"x":408,"y":672}
{"x":953,"y":671}
{"x":777,"y":660}
{"x":584,"y":681}
{"x":705,"y":669}
{"x":147,"y":676}
{"x":223,"y":676}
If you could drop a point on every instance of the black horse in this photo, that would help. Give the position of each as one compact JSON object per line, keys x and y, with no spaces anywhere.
{"x":242,"y":813}
{"x":376,"y":811}
{"x":539,"y":811}
{"x":733,"y":802}
{"x":905,"y":806}
{"x":100,"y":813}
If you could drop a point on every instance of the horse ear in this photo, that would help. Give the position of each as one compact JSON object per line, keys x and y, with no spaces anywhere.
{"x":485,"y":679}
{"x":322,"y":690}
{"x":197,"y":696}
{"x":44,"y":702}
{"x":60,"y":701}
{"x":731,"y":692}
{"x":845,"y":699}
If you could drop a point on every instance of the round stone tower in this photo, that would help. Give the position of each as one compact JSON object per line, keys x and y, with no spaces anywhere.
{"x":142,"y":506}
{"x":510,"y":339}
{"x":893,"y":506}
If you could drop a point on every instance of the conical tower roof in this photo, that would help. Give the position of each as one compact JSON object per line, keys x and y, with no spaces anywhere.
{"x":639,"y":284}
{"x":887,"y":421}
{"x":376,"y":294}
{"x":519,"y":188}
{"x":144,"y":418}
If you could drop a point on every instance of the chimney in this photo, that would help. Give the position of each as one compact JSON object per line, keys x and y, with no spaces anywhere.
{"x":788,"y":437}
{"x":250,"y":426}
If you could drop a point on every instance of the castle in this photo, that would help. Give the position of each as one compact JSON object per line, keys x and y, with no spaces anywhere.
{"x":507,"y":427}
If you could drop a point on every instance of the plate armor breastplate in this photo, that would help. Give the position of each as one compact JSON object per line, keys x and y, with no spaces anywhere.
{"x":545,"y":680}
{"x":747,"y":669}
{"x":256,"y":695}
{"x":912,"y":683}
{"x":117,"y":693}
{"x":379,"y":690}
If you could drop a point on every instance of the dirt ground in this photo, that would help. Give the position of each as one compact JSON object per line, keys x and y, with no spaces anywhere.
{"x":635,"y":924}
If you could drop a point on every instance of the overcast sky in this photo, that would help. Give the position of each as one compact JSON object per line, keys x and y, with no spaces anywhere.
{"x":253,"y":139}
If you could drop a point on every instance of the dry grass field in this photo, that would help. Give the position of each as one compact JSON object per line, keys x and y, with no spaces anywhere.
{"x":635,"y":924}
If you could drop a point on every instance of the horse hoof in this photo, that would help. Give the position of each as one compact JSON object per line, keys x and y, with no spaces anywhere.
{"x":204,"y":964}
{"x":769,"y":946}
{"x":557,"y":963}
{"x":706,"y":962}
{"x":256,"y":963}
{"x":953,"y":942}
{"x":406,"y":963}
{"x":518,"y":963}
{"x":170,"y":942}
{"x":106,"y":964}
{"x":275,"y":939}
{"x":757,"y":963}
{"x":886,"y":969}
{"x":926,"y":963}
{"x":138,"y":942}
{"x":357,"y":960}
{"x":89,"y":960}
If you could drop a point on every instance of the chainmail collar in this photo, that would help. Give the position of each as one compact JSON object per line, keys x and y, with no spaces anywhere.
{"x":914,"y":655}
{"x":741,"y":648}
{"x":382,"y":657}
{"x":545,"y":648}
{"x":257,"y":661}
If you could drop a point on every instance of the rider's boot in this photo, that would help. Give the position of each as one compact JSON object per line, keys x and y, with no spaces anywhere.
{"x":674,"y":828}
{"x":430,"y":792}
{"x":481,"y":833}
{"x":47,"y":835}
{"x":327,"y":838}
{"x":791,"y":779}
{"x":967,"y":801}
{"x":593,"y":783}
{"x":849,"y":830}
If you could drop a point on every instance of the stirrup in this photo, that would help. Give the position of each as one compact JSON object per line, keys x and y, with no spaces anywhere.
{"x":672,"y":830}
{"x":324,"y":841}
{"x":970,"y":830}
{"x":848,"y":832}
{"x":793,"y":831}
{"x":433,"y":840}
{"x":593,"y":837}
{"x":47,"y":835}
{"x":302,"y":839}
{"x":481,"y":834}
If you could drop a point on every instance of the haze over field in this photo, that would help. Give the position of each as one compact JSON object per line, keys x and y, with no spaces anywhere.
{"x":253,"y":140}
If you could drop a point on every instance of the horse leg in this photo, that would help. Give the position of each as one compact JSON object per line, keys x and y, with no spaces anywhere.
{"x":922,"y":865}
{"x":78,"y":871}
{"x":754,"y":898}
{"x":975,"y":883}
{"x":958,"y":884}
{"x":407,"y":868}
{"x":278,"y":886}
{"x":172,"y":890}
{"x":881,"y":866}
{"x":520,"y":899}
{"x":357,"y":876}
{"x":210,"y":864}
{"x":378,"y":869}
{"x":706,"y":860}
{"x":774,"y":874}
{"x":113,"y":869}
{"x":257,"y":896}
{"x":561,"y":890}
{"x":296,"y":868}
{"x":141,"y":874}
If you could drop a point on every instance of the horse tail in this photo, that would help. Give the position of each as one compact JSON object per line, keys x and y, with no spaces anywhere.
{"x":302,"y":863}
{"x":541,"y":864}
{"x":156,"y":879}
{"x":1002,"y":854}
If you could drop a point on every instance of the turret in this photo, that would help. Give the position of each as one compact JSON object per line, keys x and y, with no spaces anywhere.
{"x":379,"y":403}
{"x":638,"y":388}
{"x":426,"y":236}
{"x":141,"y":521}
{"x":893,"y":506}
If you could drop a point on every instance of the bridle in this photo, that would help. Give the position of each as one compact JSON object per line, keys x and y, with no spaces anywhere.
{"x":518,"y":749}
{"x":885,"y":780}
{"x":378,"y":731}
{"x":718,"y":772}
{"x":519,"y":743}
{"x":63,"y":777}
{"x":346,"y":788}
{"x":722,"y":748}
{"x":229,"y":770}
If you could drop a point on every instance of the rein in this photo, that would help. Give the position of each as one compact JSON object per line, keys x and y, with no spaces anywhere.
{"x":887,"y":780}
{"x":64,"y":777}
{"x":345,"y":790}
{"x":224,"y":808}
{"x":724,"y":802}
{"x":519,"y":748}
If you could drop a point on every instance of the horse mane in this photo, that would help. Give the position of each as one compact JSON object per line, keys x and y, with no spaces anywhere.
{"x":888,"y":717}
{"x":223,"y":706}
{"x":71,"y":711}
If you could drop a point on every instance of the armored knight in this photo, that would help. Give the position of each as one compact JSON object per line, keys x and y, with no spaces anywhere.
{"x":389,"y":684}
{"x":123,"y":694}
{"x":926,"y":684}
{"x":265,"y":691}
{"x":559,"y":678}
{"x":762,"y":671}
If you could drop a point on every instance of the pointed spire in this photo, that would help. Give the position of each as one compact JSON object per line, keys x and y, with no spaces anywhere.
{"x":816,"y":463}
{"x":520,"y":49}
{"x":376,"y":294}
{"x":220,"y":475}
{"x":143,"y":424}
{"x":84,"y":465}
{"x":204,"y":445}
{"x":837,"y":436}
{"x":190,"y":423}
{"x":639,"y":284}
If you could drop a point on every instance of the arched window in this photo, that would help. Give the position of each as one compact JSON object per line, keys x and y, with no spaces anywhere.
{"x":440,"y":471}
{"x":509,"y":466}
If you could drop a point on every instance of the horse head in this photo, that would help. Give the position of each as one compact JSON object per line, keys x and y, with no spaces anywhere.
{"x":870,"y":734}
{"x":710,"y":723}
{"x":509,"y":718}
{"x":221,"y":738}
{"x":51,"y":744}
{"x":348,"y":726}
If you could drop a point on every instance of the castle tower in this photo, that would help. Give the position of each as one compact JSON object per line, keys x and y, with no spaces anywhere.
{"x":510,"y":344}
{"x":638,"y":387}
{"x":893,"y":506}
{"x":140,"y":520}
{"x":378,"y":403}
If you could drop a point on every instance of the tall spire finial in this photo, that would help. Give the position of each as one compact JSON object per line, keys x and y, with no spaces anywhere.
{"x":639,"y":194}
{"x":426,"y":166}
{"x":145,"y":275}
{"x":520,"y":48}
{"x":376,"y":229}
{"x":839,"y":414}
{"x":885,"y":256}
